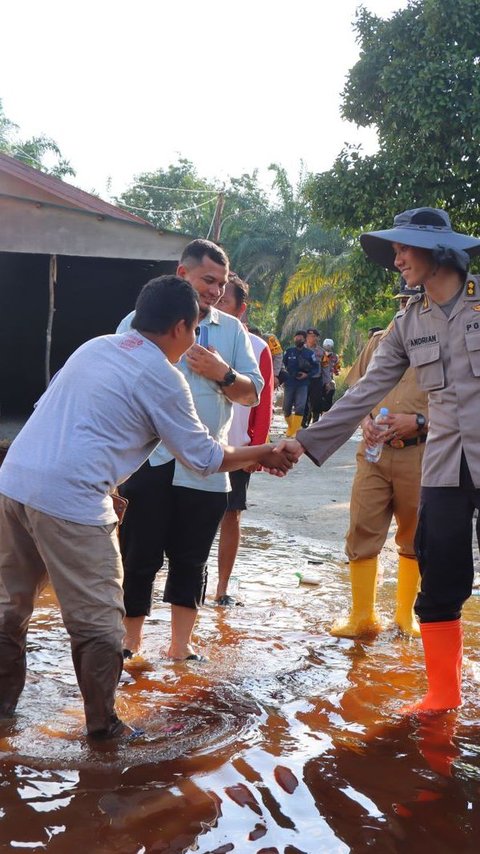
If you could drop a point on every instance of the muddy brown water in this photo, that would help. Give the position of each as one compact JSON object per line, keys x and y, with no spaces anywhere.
{"x":288,"y":740}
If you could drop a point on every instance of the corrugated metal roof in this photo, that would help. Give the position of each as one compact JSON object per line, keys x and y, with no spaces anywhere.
{"x":66,"y":194}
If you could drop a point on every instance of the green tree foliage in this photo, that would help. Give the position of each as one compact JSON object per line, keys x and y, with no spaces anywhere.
{"x":7,"y":129}
{"x":175,"y":199}
{"x":40,"y":152}
{"x":265,"y":234}
{"x":418,"y":83}
{"x":277,"y":237}
{"x":281,"y":232}
{"x":338,"y":288}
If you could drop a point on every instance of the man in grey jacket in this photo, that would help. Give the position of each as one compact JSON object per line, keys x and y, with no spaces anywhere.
{"x":438,"y":334}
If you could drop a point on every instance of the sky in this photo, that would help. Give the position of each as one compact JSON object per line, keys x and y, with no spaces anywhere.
{"x":126,"y":87}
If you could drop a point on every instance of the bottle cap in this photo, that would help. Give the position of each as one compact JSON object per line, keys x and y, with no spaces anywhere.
{"x":384,"y":410}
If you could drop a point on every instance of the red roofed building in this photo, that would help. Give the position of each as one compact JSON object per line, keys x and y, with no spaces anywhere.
{"x":71,"y":266}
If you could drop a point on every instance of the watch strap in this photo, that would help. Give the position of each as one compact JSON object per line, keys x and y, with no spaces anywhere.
{"x":228,"y":379}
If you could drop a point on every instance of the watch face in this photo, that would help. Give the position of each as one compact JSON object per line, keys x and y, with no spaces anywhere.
{"x":421,"y":421}
{"x":229,"y":378}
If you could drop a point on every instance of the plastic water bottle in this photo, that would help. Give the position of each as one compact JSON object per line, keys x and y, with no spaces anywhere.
{"x":308,"y":578}
{"x":372,"y":455}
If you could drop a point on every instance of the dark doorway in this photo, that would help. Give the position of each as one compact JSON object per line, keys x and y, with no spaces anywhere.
{"x":92,"y":295}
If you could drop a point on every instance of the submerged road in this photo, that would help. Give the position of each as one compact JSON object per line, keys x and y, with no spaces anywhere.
{"x":288,"y":740}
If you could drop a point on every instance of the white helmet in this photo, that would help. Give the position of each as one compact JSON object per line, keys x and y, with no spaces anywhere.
{"x":328,"y":344}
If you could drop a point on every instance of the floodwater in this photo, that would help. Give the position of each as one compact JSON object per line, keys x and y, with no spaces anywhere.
{"x":288,"y":740}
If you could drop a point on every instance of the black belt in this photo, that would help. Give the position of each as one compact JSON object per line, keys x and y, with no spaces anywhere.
{"x":405,"y":443}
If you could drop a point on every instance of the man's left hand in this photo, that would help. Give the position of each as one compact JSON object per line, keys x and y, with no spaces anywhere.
{"x":400,"y":427}
{"x":206,"y":362}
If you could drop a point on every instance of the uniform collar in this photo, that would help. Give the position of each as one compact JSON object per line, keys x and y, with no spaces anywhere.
{"x":426,"y":303}
{"x":420,"y":299}
{"x":471,"y":292}
{"x":212,"y":316}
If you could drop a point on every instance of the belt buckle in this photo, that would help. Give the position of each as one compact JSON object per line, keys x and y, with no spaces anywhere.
{"x":397,"y":443}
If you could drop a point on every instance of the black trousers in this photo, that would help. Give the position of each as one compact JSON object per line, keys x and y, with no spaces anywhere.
{"x":443,"y":544}
{"x":314,"y":401}
{"x":162,"y":519}
{"x":327,"y":400}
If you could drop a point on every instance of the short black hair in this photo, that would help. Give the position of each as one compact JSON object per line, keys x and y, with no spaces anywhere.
{"x":163,"y":302}
{"x":196,"y":250}
{"x":300,"y":332}
{"x":240,"y":288}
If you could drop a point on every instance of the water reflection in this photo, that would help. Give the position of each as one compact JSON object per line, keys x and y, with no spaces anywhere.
{"x":287,"y":740}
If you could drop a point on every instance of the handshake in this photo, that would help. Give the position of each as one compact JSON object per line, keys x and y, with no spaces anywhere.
{"x":276,"y":459}
{"x":280,"y":458}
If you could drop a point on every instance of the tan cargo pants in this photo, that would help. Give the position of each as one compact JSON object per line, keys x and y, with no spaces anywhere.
{"x":84,"y":567}
{"x":381,"y":491}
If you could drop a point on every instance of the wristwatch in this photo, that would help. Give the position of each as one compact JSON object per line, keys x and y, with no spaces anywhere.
{"x":421,"y":422}
{"x":228,"y":379}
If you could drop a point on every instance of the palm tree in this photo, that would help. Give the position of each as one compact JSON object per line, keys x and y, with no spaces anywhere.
{"x":276,"y":236}
{"x":339,"y":288}
{"x":318,"y":289}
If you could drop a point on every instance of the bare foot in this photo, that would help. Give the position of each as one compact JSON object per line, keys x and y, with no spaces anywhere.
{"x":133,"y":633}
{"x":178,"y":653}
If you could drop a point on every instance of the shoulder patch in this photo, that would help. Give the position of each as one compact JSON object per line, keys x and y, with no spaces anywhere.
{"x":470,"y":289}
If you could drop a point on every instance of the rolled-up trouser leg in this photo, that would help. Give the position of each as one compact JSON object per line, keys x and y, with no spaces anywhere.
{"x":195,"y":520}
{"x":143,"y":533}
{"x":85,"y":568}
{"x":22,"y":577}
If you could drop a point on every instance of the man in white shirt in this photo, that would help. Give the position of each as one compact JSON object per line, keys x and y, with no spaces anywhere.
{"x":100,"y":418}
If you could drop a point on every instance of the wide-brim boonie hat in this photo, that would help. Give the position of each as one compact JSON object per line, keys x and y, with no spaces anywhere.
{"x":425,"y":228}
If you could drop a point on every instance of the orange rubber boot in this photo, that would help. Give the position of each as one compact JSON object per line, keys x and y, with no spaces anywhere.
{"x":443,"y":649}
